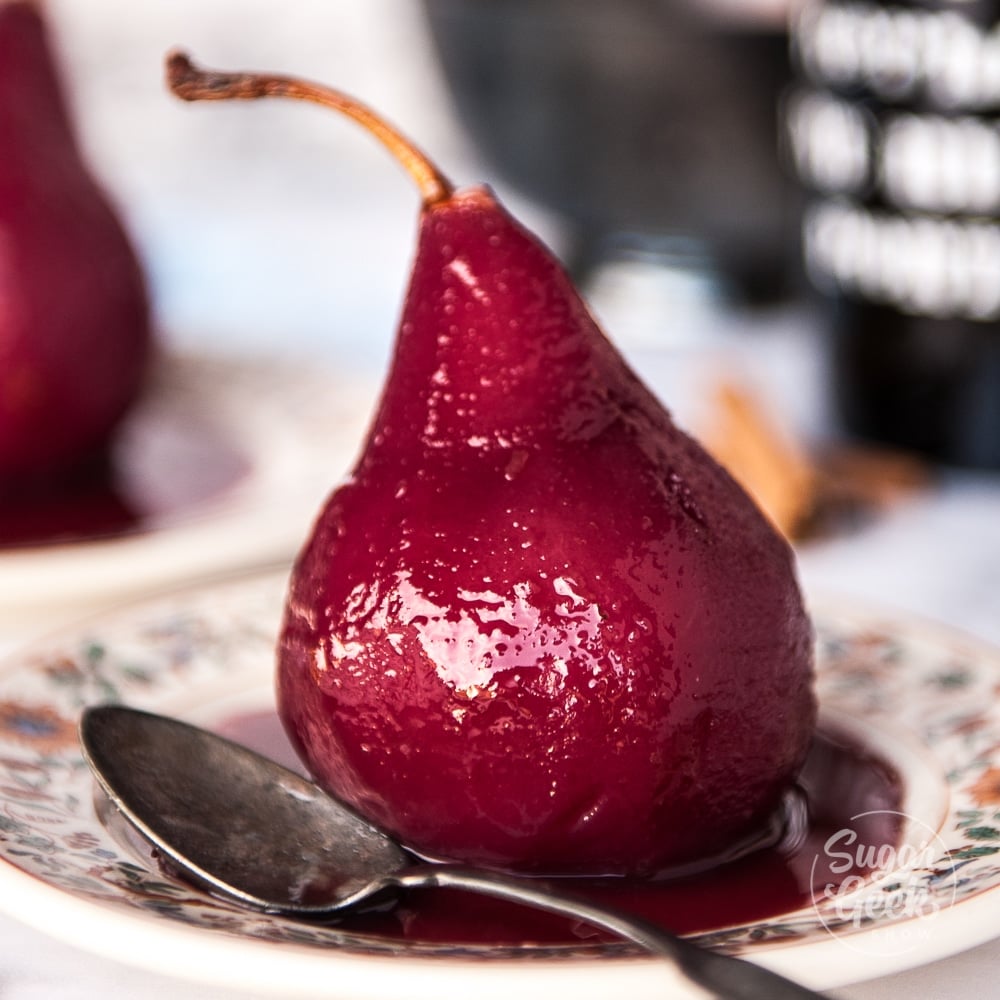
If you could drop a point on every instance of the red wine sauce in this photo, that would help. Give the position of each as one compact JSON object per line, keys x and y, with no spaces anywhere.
{"x":116,"y":497}
{"x":840,"y":782}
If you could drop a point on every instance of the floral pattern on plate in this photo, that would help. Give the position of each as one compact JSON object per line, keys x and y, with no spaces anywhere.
{"x":200,"y":653}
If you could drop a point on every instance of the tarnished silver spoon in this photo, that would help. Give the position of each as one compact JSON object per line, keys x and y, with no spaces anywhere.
{"x":249,"y":830}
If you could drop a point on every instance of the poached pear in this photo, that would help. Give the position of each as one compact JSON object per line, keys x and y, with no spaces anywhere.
{"x":538,"y":628}
{"x":74,"y":324}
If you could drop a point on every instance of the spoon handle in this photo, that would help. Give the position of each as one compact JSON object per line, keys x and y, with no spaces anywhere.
{"x":723,"y":975}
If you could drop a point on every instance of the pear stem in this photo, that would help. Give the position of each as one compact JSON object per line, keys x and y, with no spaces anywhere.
{"x":192,"y":83}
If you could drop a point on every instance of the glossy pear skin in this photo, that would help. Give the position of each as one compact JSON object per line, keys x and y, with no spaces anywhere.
{"x":539,"y":628}
{"x":74,"y":329}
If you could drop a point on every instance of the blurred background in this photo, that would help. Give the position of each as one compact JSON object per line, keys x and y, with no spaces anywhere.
{"x":258,"y":224}
{"x":665,"y":149}
{"x":640,"y":134}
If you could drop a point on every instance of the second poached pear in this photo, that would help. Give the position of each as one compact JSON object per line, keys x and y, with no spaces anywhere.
{"x":75,"y":337}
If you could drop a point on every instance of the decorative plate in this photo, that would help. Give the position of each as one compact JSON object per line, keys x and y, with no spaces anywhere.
{"x":918,"y":695}
{"x":217,"y":469}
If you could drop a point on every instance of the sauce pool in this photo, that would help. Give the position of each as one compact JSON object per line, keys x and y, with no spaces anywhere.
{"x":844,"y":787}
{"x":125,"y":494}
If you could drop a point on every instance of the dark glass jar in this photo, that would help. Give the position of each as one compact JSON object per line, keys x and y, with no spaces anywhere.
{"x":647,"y":127}
{"x":894,"y":130}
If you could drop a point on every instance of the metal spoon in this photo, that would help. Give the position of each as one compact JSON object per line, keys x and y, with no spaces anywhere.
{"x":253,"y":832}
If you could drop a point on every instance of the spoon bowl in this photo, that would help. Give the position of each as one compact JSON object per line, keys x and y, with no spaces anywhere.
{"x":248,"y":830}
